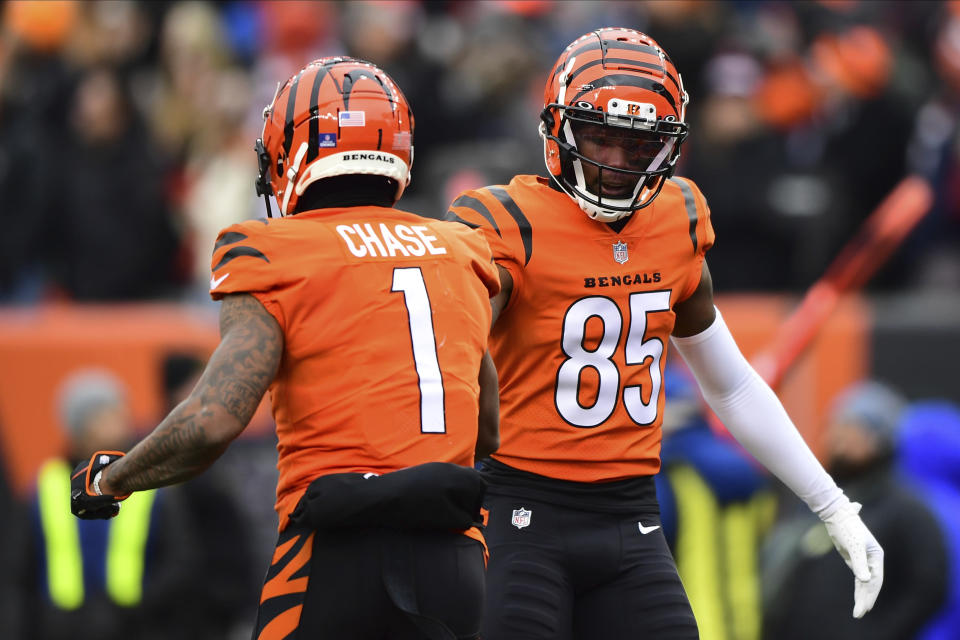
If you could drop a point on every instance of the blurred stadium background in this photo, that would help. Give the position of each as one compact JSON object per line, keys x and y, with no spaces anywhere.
{"x":126,"y":143}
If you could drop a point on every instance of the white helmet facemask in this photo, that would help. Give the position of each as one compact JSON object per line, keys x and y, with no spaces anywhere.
{"x":660,"y":138}
{"x":607,"y":209}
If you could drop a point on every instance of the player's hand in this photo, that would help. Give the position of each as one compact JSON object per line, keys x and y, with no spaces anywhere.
{"x":86,"y":501}
{"x":860,"y":551}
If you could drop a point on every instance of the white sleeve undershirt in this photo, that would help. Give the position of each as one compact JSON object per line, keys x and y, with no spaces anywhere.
{"x":751,"y":411}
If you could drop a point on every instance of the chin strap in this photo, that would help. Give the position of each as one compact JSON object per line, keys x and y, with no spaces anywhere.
{"x":264,"y":188}
{"x":266,"y":202}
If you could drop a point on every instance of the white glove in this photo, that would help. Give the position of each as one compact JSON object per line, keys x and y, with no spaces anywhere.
{"x":859,"y":550}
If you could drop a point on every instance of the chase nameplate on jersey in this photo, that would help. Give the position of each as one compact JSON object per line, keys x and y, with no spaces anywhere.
{"x":620,"y":252}
{"x":389,"y":241}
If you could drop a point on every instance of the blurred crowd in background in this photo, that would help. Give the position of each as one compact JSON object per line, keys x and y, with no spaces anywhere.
{"x":126,"y":143}
{"x":126,"y":128}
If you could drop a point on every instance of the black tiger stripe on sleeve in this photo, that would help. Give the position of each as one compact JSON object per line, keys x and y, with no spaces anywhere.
{"x":450,"y":216}
{"x":523,"y":224}
{"x":494,"y":210}
{"x":475,"y":205}
{"x":238,"y":252}
{"x":229,"y":237}
{"x":690,"y":203}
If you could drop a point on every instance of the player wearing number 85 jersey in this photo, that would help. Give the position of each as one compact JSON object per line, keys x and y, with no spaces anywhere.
{"x":368,"y":326}
{"x":587,"y":308}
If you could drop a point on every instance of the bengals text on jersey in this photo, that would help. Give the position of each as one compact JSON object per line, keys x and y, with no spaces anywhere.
{"x":385,"y":316}
{"x":580,"y":346}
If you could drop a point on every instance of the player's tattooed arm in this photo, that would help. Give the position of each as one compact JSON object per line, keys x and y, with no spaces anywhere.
{"x":228,"y":393}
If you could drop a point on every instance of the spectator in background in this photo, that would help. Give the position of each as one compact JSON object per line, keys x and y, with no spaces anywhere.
{"x":934,"y":152}
{"x":386,"y":34}
{"x":25,"y":206}
{"x":112,"y":230}
{"x":85,"y":184}
{"x":714,"y":507}
{"x":929,"y":456}
{"x":861,"y":442}
{"x":798,"y":94}
{"x":801,"y":165}
{"x":219,"y":175}
{"x":34,"y":85}
{"x":101,"y":580}
{"x":461,"y":80}
{"x":731,"y":137}
{"x":199,"y":103}
{"x":219,"y":598}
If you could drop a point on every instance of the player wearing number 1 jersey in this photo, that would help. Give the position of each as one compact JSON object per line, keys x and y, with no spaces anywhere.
{"x":369,"y":327}
{"x":587,"y":308}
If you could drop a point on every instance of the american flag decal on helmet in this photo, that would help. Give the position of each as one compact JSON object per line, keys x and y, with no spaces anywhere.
{"x":620,"y":252}
{"x":352,"y":118}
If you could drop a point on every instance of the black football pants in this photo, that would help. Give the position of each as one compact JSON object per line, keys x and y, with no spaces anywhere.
{"x":567,"y":574}
{"x":372,"y":584}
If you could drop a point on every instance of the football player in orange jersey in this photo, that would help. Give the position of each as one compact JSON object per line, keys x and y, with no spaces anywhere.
{"x":587,"y":306}
{"x":369,"y":327}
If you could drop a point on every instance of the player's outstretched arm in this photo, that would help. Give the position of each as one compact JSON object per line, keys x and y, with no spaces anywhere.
{"x":754,"y":415}
{"x":199,"y":429}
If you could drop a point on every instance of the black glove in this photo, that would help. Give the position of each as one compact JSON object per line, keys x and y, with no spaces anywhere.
{"x":84,"y":499}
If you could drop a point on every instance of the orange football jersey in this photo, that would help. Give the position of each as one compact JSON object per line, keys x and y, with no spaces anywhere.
{"x":385,"y":317}
{"x":580,"y":347}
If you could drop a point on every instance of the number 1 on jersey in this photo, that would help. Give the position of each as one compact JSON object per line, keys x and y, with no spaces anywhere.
{"x":409,"y":281}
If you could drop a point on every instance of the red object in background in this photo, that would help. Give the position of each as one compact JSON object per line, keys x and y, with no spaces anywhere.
{"x":527,"y":8}
{"x":294,"y":28}
{"x":856,"y":263}
{"x":857,"y":59}
{"x":787,"y":95}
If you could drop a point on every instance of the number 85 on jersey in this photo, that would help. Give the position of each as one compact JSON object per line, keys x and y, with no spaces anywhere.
{"x":639,"y":351}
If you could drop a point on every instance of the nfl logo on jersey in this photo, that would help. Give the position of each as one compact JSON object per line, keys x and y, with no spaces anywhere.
{"x":521,"y":518}
{"x":620,"y":252}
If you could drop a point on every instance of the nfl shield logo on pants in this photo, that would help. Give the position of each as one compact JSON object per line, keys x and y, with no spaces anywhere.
{"x":620,"y":252}
{"x":521,"y":518}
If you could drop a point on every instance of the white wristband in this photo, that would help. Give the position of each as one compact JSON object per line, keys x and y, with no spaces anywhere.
{"x":96,"y":483}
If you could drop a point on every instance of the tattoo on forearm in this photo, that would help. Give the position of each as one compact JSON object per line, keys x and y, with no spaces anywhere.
{"x":198,"y":431}
{"x":253,"y":344}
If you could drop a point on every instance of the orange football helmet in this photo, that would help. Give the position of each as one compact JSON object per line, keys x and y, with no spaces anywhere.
{"x":336,"y":116}
{"x":613,"y":88}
